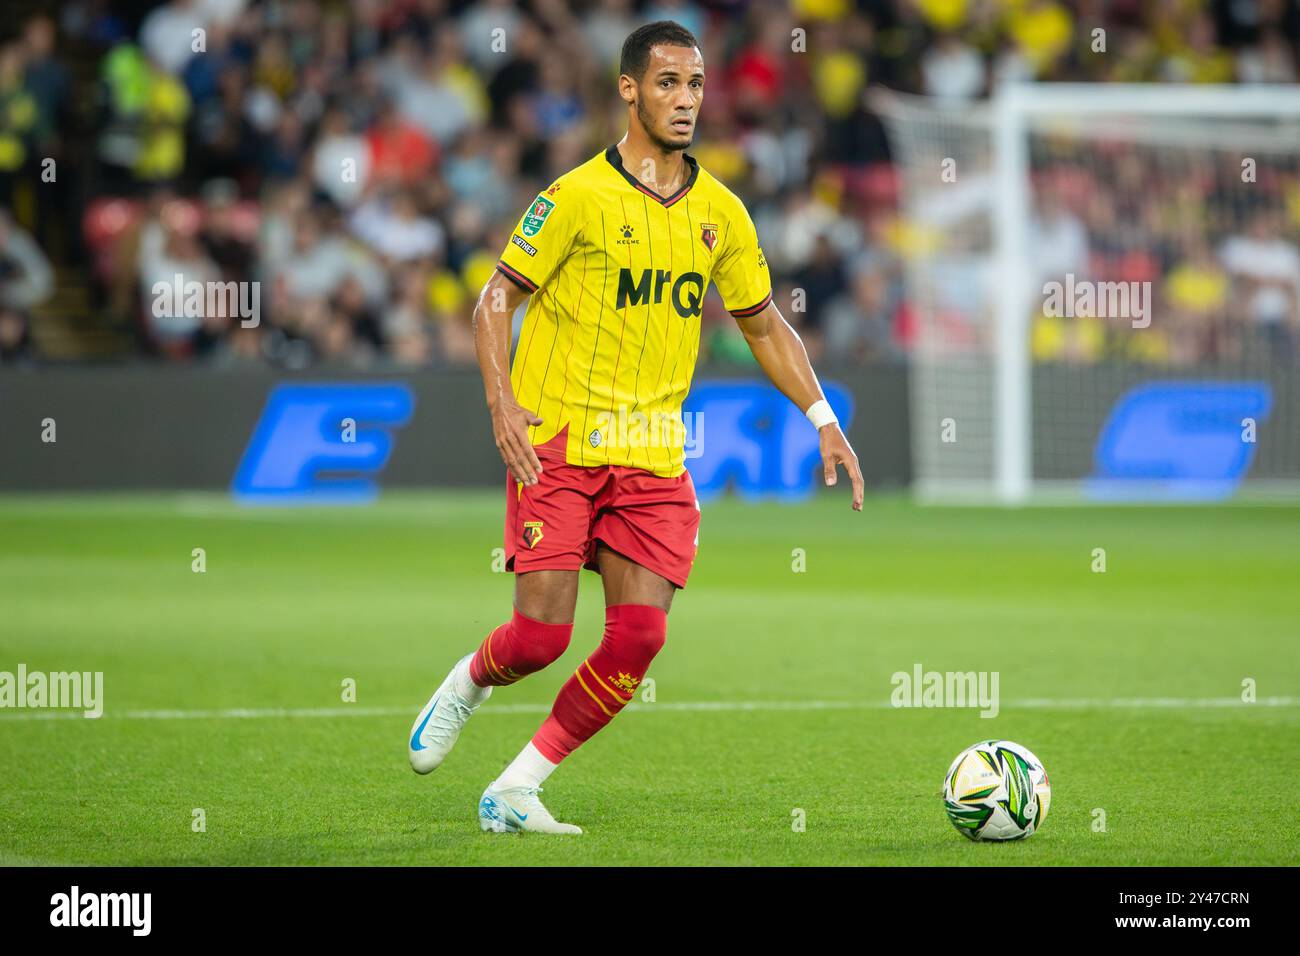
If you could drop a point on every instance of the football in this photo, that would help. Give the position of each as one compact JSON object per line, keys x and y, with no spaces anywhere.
{"x":996,"y":790}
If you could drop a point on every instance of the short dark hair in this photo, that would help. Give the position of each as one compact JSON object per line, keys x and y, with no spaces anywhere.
{"x":636,"y":48}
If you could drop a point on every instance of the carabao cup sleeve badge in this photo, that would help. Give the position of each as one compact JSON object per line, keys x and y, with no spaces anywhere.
{"x":541,"y":208}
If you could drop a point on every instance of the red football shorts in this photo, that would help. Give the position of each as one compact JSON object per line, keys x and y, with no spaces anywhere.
{"x":555,"y":524}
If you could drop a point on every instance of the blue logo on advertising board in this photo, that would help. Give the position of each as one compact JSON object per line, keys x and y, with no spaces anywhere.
{"x":1179,"y":440}
{"x":322,"y":444}
{"x":750,"y":436}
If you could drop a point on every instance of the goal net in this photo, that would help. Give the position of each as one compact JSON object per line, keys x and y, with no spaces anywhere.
{"x":1105,"y":282}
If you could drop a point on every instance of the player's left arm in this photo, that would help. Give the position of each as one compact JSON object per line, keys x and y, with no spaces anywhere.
{"x":743,"y":281}
{"x":783,"y":359}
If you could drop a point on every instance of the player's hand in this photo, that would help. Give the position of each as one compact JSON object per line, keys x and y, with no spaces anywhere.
{"x":837,"y":451}
{"x":510,"y":422}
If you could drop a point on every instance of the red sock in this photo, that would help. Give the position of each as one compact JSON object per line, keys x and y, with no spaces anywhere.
{"x":606,"y":681}
{"x":517,"y":648}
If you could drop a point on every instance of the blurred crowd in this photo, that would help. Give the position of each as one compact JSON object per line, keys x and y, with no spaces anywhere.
{"x":364,"y":161}
{"x":1206,"y":239}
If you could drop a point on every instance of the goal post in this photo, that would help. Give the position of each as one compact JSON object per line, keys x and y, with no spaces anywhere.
{"x":1115,"y":166}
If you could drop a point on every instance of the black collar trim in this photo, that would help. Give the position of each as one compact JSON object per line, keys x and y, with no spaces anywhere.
{"x":615,"y":159}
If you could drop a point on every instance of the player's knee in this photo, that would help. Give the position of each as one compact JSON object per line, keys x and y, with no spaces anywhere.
{"x":637,"y":630}
{"x":538,"y":644}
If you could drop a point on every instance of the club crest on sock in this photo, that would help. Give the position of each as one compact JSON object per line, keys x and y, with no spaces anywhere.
{"x":625,"y":681}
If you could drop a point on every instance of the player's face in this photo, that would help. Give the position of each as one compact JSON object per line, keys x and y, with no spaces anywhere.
{"x":668,"y":97}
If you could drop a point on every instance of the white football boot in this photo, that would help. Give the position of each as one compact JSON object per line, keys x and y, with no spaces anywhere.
{"x":517,"y":810}
{"x":435,"y":730}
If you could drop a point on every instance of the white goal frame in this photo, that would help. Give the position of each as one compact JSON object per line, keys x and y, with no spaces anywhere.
{"x":1014,"y":108}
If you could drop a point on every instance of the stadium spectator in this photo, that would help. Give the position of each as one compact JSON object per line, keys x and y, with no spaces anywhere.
{"x":953,"y":69}
{"x":399,"y":151}
{"x":46,"y":79}
{"x":168,"y":33}
{"x":1265,"y":268}
{"x":171,"y":254}
{"x":1271,"y":60}
{"x":394,"y":228}
{"x":26,"y":280}
{"x":15,"y":337}
{"x":341,"y":160}
{"x":1196,"y":289}
{"x":860,"y":324}
{"x":18,"y":119}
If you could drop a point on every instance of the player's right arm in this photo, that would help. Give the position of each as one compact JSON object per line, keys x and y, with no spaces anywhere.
{"x":510,"y":420}
{"x":541,"y":241}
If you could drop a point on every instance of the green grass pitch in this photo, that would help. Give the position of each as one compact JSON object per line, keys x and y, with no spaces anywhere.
{"x":1127,"y":684}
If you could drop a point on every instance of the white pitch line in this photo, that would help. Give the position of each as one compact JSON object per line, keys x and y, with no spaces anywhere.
{"x":724,"y":706}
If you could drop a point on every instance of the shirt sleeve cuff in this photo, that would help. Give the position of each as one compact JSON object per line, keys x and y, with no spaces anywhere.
{"x":752,"y":310}
{"x":519,"y":278}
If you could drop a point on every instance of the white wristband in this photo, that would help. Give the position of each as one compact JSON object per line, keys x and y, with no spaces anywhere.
{"x":819,"y":413}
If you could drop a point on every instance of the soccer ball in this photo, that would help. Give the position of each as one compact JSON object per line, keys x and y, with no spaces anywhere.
{"x":996,"y":790}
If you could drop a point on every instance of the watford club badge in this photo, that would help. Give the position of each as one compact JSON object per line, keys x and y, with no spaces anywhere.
{"x":532,"y":533}
{"x":709,"y":235}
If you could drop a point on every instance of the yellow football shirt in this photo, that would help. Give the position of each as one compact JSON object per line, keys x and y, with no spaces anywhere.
{"x":617,"y":276}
